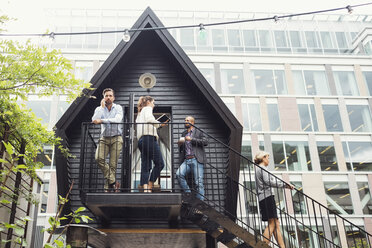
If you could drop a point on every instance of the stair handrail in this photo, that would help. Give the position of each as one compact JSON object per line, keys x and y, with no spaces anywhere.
{"x":278,"y":178}
{"x":252,"y":191}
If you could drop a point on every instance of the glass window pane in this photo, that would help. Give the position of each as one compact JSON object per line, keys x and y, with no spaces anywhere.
{"x":313,"y":117}
{"x":298,"y":156}
{"x":60,"y":41}
{"x":280,"y":39}
{"x":233,"y":37}
{"x":76,"y":41}
{"x":326,"y":39}
{"x":91,"y":40}
{"x":264,"y":82}
{"x":327,"y":156}
{"x":62,"y":107}
{"x":311,"y":39}
{"x":341,"y":40}
{"x":44,"y":198}
{"x":251,"y":203}
{"x":365,"y":197}
{"x":338,"y":197}
{"x":298,"y":199}
{"x":187,"y":39}
{"x":41,"y":109}
{"x":251,"y":116}
{"x":108,"y":40}
{"x":368,"y":79}
{"x":274,"y":120}
{"x":250,"y":38}
{"x":232,"y":81}
{"x":345,"y":83}
{"x":295,"y":38}
{"x":261,"y":145}
{"x":279,"y":156}
{"x":45,"y":157}
{"x":218,"y":39}
{"x":358,"y":155}
{"x":316,"y":83}
{"x":332,"y":118}
{"x":246,"y":152}
{"x":299,"y":82}
{"x":255,"y":116}
{"x":360,"y":118}
{"x":84,"y":71}
{"x":265,"y":38}
{"x":304,"y":112}
{"x":281,"y":86}
{"x":208,"y":73}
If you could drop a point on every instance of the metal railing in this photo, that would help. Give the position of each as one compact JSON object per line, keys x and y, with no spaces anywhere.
{"x":304,"y":222}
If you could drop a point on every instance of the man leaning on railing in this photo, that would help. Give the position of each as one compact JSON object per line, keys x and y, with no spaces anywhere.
{"x":109,"y":115}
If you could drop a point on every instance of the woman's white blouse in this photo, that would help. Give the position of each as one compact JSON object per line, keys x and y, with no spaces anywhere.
{"x":146,"y":116}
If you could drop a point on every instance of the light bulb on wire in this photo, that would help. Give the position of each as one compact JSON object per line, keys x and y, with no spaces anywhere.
{"x":349,"y":9}
{"x":126,"y":35}
{"x":202,"y":32}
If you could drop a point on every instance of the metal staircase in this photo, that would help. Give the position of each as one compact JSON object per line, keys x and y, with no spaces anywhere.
{"x":217,"y":224}
{"x":304,"y":222}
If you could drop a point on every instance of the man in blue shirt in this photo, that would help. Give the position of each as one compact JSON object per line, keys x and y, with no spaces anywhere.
{"x":109,"y":115}
{"x":191,"y":147}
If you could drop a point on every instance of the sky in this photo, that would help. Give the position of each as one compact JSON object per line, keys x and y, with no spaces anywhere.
{"x":29,"y":13}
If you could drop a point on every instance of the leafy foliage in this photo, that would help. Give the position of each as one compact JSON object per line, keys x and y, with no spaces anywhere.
{"x":55,"y":222}
{"x":28,"y":69}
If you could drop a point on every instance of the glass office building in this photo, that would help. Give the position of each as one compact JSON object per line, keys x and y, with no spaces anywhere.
{"x":301,"y":88}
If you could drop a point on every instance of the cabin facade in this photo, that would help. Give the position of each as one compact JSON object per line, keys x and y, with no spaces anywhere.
{"x":180,"y":91}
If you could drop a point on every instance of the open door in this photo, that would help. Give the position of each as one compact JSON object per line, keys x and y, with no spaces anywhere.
{"x":165,"y":142}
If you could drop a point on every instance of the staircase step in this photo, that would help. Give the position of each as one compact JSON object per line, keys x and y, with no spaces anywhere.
{"x":225,"y":237}
{"x":244,"y":245}
{"x":223,"y":221}
{"x":209,"y":226}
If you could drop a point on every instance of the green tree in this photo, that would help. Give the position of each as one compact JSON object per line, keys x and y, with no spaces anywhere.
{"x":26,"y":68}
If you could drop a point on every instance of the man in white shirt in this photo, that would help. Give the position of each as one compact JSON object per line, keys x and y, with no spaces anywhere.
{"x":109,"y":115}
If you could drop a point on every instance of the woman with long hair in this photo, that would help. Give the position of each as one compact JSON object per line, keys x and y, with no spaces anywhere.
{"x":264,"y":184}
{"x":147,"y":143}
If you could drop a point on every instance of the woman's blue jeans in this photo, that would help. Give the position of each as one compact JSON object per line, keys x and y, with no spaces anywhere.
{"x":150,"y":151}
{"x":197,"y":170}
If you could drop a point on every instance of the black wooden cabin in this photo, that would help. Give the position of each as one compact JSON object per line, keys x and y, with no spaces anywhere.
{"x":180,"y":90}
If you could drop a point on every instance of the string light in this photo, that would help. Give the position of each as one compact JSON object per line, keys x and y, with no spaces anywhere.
{"x":349,"y":9}
{"x":202,"y":32}
{"x":126,"y":36}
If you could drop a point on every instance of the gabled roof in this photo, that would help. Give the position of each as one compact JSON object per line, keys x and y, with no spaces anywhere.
{"x":149,"y":20}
